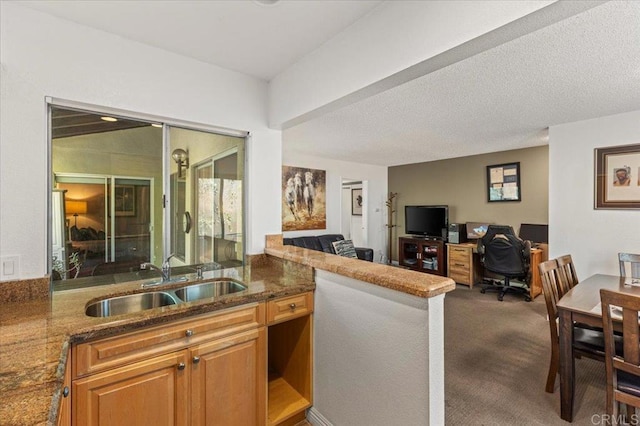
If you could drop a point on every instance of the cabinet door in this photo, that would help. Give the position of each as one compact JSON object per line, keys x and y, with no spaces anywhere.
{"x":64,"y":415}
{"x":150,"y":392}
{"x":409,"y":253}
{"x":228,"y":380}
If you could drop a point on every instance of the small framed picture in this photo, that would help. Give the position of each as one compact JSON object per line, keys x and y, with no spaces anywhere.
{"x":503,"y":182}
{"x":617,"y":177}
{"x":356,"y":202}
{"x":125,"y":200}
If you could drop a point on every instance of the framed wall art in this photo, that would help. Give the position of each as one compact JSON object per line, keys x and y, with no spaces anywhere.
{"x":125,"y":200}
{"x":503,"y":182}
{"x":356,"y":202}
{"x":303,"y":199}
{"x":617,"y":177}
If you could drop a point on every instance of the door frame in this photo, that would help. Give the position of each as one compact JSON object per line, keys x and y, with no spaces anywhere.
{"x":193,"y":201}
{"x":109,"y":182}
{"x":346,"y":207}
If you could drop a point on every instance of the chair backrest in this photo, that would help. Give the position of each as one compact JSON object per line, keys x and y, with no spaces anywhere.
{"x":568,"y":270}
{"x":504,"y":253}
{"x":553,"y":290}
{"x":630,"y":361}
{"x":633,"y":260}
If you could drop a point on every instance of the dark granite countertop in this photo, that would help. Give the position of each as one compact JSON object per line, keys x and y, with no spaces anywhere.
{"x":35,"y":334}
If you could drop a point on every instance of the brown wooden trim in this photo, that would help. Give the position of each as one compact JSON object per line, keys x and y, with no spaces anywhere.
{"x":600,"y":179}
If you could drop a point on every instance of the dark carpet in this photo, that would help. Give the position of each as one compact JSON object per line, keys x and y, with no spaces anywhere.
{"x":496,"y":363}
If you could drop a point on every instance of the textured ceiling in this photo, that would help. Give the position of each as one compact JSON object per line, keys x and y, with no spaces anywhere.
{"x":240,"y":35}
{"x":505,"y":98}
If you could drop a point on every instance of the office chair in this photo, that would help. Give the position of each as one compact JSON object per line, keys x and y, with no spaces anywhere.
{"x":503,"y":253}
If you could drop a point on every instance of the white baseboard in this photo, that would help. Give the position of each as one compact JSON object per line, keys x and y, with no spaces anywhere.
{"x":317,"y":419}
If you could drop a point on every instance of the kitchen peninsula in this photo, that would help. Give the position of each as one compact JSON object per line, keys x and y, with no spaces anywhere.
{"x":378,"y":349}
{"x":399,"y":320}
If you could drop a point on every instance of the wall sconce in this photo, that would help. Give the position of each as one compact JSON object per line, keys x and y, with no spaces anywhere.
{"x":181,"y":157}
{"x":75,"y":208}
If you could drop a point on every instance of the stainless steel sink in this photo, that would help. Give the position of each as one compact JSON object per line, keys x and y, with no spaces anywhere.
{"x":128,"y":304}
{"x":160,"y":281}
{"x":208,"y":290}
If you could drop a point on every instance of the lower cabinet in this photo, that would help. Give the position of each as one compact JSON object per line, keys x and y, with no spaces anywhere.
{"x":64,"y":415}
{"x":149,"y":392}
{"x":208,"y":370}
{"x":290,"y":358}
{"x":249,"y":365}
{"x":228,"y":380}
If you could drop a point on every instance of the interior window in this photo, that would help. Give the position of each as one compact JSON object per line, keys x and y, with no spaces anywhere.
{"x":109,"y":198}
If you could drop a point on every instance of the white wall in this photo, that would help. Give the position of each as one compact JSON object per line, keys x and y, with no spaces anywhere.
{"x":592,"y":237}
{"x":376,"y":179}
{"x":45,"y":56}
{"x":378,"y":355}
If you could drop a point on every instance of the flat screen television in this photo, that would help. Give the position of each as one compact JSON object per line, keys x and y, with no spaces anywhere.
{"x":431,"y":221}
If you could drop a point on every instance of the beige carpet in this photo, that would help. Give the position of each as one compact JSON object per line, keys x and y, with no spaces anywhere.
{"x":496,"y":363}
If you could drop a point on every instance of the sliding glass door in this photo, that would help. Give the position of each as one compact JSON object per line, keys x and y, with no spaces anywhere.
{"x":109,"y":220}
{"x":207,"y":209}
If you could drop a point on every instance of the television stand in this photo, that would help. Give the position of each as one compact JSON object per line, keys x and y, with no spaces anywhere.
{"x":423,"y":254}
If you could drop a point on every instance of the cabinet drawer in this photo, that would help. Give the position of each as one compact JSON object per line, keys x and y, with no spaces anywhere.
{"x":125,"y":348}
{"x":462,"y":278}
{"x":289,"y":307}
{"x":459,"y":254}
{"x":459,"y":267}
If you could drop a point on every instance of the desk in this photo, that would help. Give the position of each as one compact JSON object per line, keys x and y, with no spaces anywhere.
{"x":578,"y":305}
{"x":463,"y":266}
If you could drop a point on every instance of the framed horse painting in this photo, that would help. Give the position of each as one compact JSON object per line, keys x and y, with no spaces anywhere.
{"x":303,"y":199}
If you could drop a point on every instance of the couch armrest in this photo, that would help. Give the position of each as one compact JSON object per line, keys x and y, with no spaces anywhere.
{"x":364,"y":253}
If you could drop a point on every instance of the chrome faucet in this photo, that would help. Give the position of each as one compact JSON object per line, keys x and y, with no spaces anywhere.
{"x":165,"y":270}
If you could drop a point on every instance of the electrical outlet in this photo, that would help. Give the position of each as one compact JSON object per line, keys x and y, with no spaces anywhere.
{"x":9,"y":268}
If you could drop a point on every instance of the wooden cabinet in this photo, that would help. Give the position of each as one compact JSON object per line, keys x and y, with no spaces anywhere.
{"x":423,"y":255}
{"x":64,"y":415}
{"x":209,"y":369}
{"x":463,"y":265}
{"x":228,"y":380}
{"x":290,"y":358}
{"x":149,"y":392}
{"x":535,"y":288}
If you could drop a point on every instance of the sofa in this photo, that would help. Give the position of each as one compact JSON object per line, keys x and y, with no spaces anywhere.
{"x":325,"y":243}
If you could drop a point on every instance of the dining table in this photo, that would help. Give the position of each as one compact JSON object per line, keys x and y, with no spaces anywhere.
{"x":582,"y":304}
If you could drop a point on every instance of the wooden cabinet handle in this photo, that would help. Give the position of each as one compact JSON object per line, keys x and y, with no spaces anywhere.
{"x":460,"y":264}
{"x":292,"y":306}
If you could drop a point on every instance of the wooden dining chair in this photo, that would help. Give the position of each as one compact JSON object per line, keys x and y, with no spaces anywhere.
{"x":568,"y":270}
{"x":586,"y":342}
{"x":623,"y":369}
{"x":633,"y":261}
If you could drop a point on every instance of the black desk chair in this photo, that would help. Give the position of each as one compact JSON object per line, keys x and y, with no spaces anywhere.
{"x":503,"y":253}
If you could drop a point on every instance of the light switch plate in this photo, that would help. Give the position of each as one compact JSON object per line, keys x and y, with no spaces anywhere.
{"x":9,"y":268}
